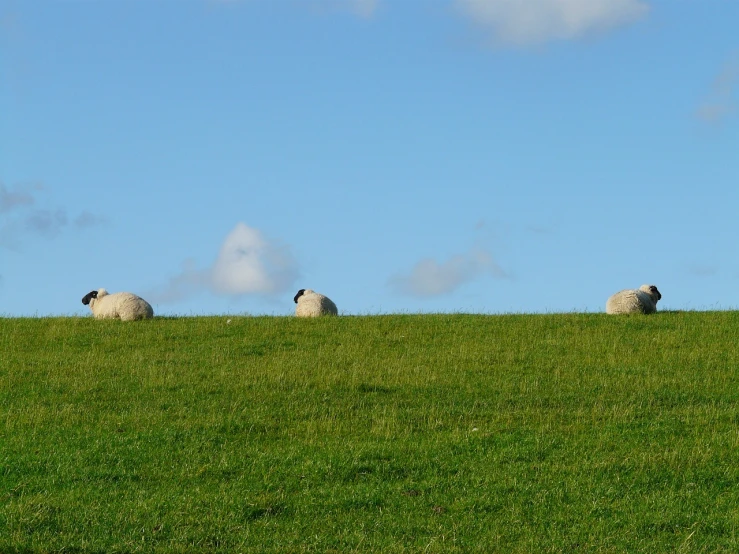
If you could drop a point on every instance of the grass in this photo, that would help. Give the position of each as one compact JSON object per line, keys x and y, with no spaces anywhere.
{"x":397,"y":433}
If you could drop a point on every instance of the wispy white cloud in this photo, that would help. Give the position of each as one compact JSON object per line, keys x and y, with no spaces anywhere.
{"x":17,"y":197}
{"x":21,"y":216}
{"x":47,"y":223}
{"x":86,"y":219}
{"x":721,"y":102}
{"x":527,"y":22}
{"x":365,"y":9}
{"x":189,"y":282}
{"x":431,"y":278}
{"x":247,"y":263}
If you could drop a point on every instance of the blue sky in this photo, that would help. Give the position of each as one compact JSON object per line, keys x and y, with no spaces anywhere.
{"x":399,"y":156}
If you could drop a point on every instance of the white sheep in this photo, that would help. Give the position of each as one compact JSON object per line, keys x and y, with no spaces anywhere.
{"x":313,"y":304}
{"x":120,"y":305}
{"x":634,"y":301}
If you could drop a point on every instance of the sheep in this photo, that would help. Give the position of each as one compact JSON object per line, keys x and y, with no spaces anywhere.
{"x":120,"y":305}
{"x":633,"y":301}
{"x":313,"y":304}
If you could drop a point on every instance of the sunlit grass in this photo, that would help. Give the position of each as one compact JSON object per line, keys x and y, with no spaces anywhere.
{"x":408,"y":433}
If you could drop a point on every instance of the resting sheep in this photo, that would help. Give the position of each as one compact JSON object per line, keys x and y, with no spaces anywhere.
{"x":313,"y":304}
{"x":120,"y":305}
{"x":634,"y":301}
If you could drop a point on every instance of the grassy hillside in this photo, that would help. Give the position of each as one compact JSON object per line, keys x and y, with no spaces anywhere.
{"x":408,"y":433}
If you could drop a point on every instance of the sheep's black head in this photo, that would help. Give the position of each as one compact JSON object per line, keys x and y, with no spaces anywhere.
{"x":654,"y":291}
{"x":89,"y":296}
{"x":300,"y":293}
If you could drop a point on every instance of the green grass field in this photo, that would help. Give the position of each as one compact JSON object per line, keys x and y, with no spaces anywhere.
{"x":396,"y":433}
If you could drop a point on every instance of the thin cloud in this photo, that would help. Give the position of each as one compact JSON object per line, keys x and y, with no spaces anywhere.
{"x":17,"y":197}
{"x":720,"y":103}
{"x":47,"y":223}
{"x":528,"y":22}
{"x":701,"y":270}
{"x":87,"y":220}
{"x":540,"y":229}
{"x":365,"y":9}
{"x":247,"y":263}
{"x":189,"y":282}
{"x":431,"y":278}
{"x":21,"y":216}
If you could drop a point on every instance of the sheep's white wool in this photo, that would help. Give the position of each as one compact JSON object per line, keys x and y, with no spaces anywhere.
{"x":313,"y":304}
{"x":634,"y":301}
{"x":120,"y":305}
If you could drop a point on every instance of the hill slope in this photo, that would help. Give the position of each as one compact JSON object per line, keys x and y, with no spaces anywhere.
{"x":443,"y":433}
